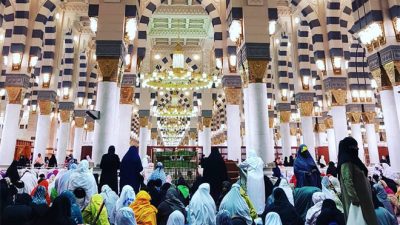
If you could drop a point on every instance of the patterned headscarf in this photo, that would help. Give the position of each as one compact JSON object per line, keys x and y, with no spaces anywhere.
{"x":39,"y":197}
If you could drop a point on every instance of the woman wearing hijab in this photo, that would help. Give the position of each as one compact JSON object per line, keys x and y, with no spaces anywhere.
{"x":226,"y":187}
{"x":224,"y":218}
{"x":330,"y":214}
{"x":12,"y":172}
{"x":83,"y":178}
{"x":45,"y":184}
{"x":62,"y":182}
{"x":331,"y":193}
{"x":158,"y":173}
{"x":60,"y":212}
{"x":76,"y":214}
{"x":383,"y":197}
{"x":169,"y":205}
{"x":354,"y":182}
{"x":331,"y":170}
{"x":145,"y":213}
{"x":131,"y":166}
{"x":110,"y":197}
{"x":273,"y":218}
{"x":282,"y":206}
{"x":91,"y":211}
{"x":19,"y":213}
{"x":382,"y":214}
{"x":176,"y":218}
{"x":125,"y":200}
{"x":255,"y":180}
{"x":288,"y":190}
{"x":313,"y":213}
{"x":125,"y":216}
{"x":202,"y":207}
{"x":305,"y":169}
{"x":234,"y":203}
{"x":214,"y":172}
{"x":153,"y":188}
{"x":30,"y":181}
{"x":109,"y":166}
{"x":303,"y":199}
{"x":52,"y":161}
{"x":39,"y":206}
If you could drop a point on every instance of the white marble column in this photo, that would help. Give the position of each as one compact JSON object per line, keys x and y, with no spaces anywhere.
{"x":246,"y":118}
{"x":42,"y":129}
{"x":201,"y":138}
{"x":356,"y":134}
{"x":9,"y":134}
{"x":124,"y":119}
{"x":143,"y":136}
{"x":396,"y":91}
{"x":62,"y":141}
{"x":103,"y":129}
{"x":78,"y":138}
{"x":331,"y":140}
{"x":233,"y":124}
{"x":207,"y":141}
{"x":372,"y":143}
{"x":339,"y":119}
{"x":285,"y":134}
{"x":392,"y":127}
{"x":308,"y":134}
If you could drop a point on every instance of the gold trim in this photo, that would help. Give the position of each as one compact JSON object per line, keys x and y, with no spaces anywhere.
{"x":306,"y":108}
{"x":65,"y":116}
{"x":14,"y":95}
{"x":284,"y":116}
{"x":339,"y":97}
{"x":79,"y":122}
{"x":257,"y":70}
{"x":90,"y":126}
{"x":207,"y":121}
{"x":108,"y":68}
{"x":144,"y":121}
{"x":369,"y":117}
{"x":233,"y":96}
{"x":45,"y":107}
{"x":328,"y":123}
{"x":126,"y":95}
{"x":354,"y":117}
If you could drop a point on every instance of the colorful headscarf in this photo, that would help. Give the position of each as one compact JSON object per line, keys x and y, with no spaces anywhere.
{"x":39,"y":196}
{"x":145,"y":213}
{"x":126,"y":198}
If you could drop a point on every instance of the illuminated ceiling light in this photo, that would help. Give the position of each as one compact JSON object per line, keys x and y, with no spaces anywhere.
{"x":355,"y":95}
{"x":337,"y":62}
{"x":37,"y":79}
{"x":320,"y":103}
{"x":46,"y":80}
{"x":127,"y":59}
{"x":33,"y":60}
{"x":34,"y":108}
{"x":314,"y":81}
{"x":94,"y":57}
{"x":320,"y":64}
{"x":154,"y":74}
{"x":5,"y":60}
{"x":65,"y":92}
{"x":232,"y":60}
{"x":93,"y":24}
{"x":371,"y":33}
{"x":80,"y":101}
{"x":289,"y":44}
{"x":131,"y":28}
{"x":2,"y":92}
{"x":187,"y":93}
{"x":2,"y":37}
{"x":297,"y":20}
{"x":57,"y":16}
{"x":218,"y":63}
{"x":89,"y":101}
{"x":272,"y":27}
{"x":235,"y":30}
{"x":76,"y":38}
{"x":306,"y":82}
{"x":178,"y":59}
{"x":196,"y":57}
{"x":157,"y":56}
{"x":284,"y":94}
{"x":277,"y":41}
{"x":16,"y":60}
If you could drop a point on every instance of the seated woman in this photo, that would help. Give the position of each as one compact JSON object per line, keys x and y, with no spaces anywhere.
{"x":330,"y":214}
{"x":331,"y":192}
{"x":96,"y":207}
{"x":235,"y":204}
{"x":145,"y":213}
{"x":313,"y":213}
{"x":125,"y":216}
{"x":169,"y":205}
{"x":202,"y":207}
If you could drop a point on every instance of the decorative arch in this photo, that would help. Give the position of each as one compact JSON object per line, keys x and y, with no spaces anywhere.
{"x":151,"y":7}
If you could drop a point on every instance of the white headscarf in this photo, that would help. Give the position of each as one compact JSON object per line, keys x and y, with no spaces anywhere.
{"x":125,"y":216}
{"x":176,"y":218}
{"x":336,"y":184}
{"x":202,"y":209}
{"x":126,"y":198}
{"x":234,"y":203}
{"x":273,"y":218}
{"x":389,"y":172}
{"x":30,"y":181}
{"x":287,"y":189}
{"x":110,"y":198}
{"x":83,"y":178}
{"x":313,"y":213}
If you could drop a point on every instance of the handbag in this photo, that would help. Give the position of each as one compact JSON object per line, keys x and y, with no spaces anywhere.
{"x":355,"y":216}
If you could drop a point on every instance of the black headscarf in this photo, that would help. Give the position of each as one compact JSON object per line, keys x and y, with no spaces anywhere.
{"x":332,"y":170}
{"x":330,"y":214}
{"x":215,"y":172}
{"x":131,"y":166}
{"x":172,"y":199}
{"x":23,"y":199}
{"x":348,"y":152}
{"x":60,"y":211}
{"x":109,"y":166}
{"x":12,"y":172}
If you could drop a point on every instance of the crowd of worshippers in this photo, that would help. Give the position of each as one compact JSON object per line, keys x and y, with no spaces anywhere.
{"x":347,"y":193}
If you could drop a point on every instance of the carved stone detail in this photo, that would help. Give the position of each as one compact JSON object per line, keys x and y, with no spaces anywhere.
{"x":306,"y":108}
{"x":79,"y":122}
{"x":354,"y":117}
{"x":376,"y":74}
{"x":109,"y":68}
{"x":45,"y":107}
{"x":271,"y":122}
{"x":389,"y":67}
{"x":320,"y":128}
{"x":90,"y":126}
{"x":14,"y":95}
{"x":192,"y":135}
{"x":328,"y":123}
{"x":207,"y":121}
{"x":293,"y":131}
{"x":126,"y":95}
{"x":339,"y":97}
{"x":257,"y":70}
{"x":233,"y":96}
{"x":144,"y":121}
{"x":369,"y":117}
{"x":284,"y":116}
{"x":154,"y":135}
{"x":65,"y":116}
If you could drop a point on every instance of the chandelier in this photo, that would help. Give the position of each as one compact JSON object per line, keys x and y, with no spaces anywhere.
{"x":178,"y":112}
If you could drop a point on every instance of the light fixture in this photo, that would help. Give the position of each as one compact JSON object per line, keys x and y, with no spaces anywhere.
{"x":297,"y":20}
{"x":372,"y":36}
{"x":131,"y":28}
{"x":157,"y":56}
{"x":369,"y":95}
{"x":235,"y":30}
{"x":320,"y":64}
{"x":65,"y":92}
{"x":1,"y":36}
{"x":269,"y":103}
{"x":196,"y":57}
{"x":34,"y":108}
{"x":46,"y":80}
{"x":289,"y":44}
{"x":58,"y":92}
{"x":272,"y":27}
{"x":232,"y":63}
{"x":178,"y":59}
{"x":80,"y":101}
{"x":284,"y":93}
{"x":277,"y":41}
{"x":76,"y":38}
{"x":362,"y":95}
{"x":218,"y":63}
{"x":57,"y":16}
{"x":337,"y":64}
{"x":374,"y":85}
{"x":355,"y":95}
{"x":93,"y":24}
{"x":5,"y":60}
{"x":305,"y":82}
{"x":37,"y":79}
{"x":2,"y":92}
{"x":25,"y":101}
{"x":16,"y":60}
{"x":127,"y":60}
{"x":33,"y":60}
{"x":187,"y":93}
{"x":396,"y":25}
{"x":320,"y":103}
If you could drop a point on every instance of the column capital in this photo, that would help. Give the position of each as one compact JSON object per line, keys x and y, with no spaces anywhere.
{"x":369,"y":117}
{"x":90,"y":126}
{"x":354,"y":117}
{"x":126,"y":95}
{"x":338,"y":97}
{"x":109,"y":68}
{"x":306,"y":108}
{"x":192,"y":135}
{"x":257,"y":68}
{"x":284,"y":116}
{"x":233,"y":95}
{"x":397,"y":73}
{"x":14,"y":95}
{"x":45,"y":106}
{"x":153,"y":135}
{"x":319,"y":128}
{"x":390,"y":80}
{"x":293,"y":131}
{"x":79,"y":122}
{"x":65,"y":116}
{"x":144,"y":121}
{"x":328,"y":123}
{"x":207,"y":122}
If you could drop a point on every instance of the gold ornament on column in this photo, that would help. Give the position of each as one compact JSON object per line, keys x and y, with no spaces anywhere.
{"x":79,"y":122}
{"x":328,"y":123}
{"x":338,"y":97}
{"x":126,"y":95}
{"x":143,"y":121}
{"x":397,"y":75}
{"x":90,"y":126}
{"x":369,"y":117}
{"x":271,"y":122}
{"x":319,"y":128}
{"x":154,"y":135}
{"x":45,"y":106}
{"x":376,"y":74}
{"x":14,"y":95}
{"x":354,"y":117}
{"x":65,"y":116}
{"x":257,"y":70}
{"x":233,"y":96}
{"x":192,"y":135}
{"x":293,"y":131}
{"x":109,"y":68}
{"x":389,"y":67}
{"x":207,"y":121}
{"x":306,"y":108}
{"x":284,"y":116}
{"x":376,"y":127}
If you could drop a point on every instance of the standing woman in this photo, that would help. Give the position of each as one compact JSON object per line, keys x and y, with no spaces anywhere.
{"x":131,"y":166}
{"x":109,"y":166}
{"x":305,"y":169}
{"x":215,"y":172}
{"x":353,"y":176}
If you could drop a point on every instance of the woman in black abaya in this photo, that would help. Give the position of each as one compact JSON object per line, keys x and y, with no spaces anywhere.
{"x":131,"y":166}
{"x":215,"y":172}
{"x":109,"y":166}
